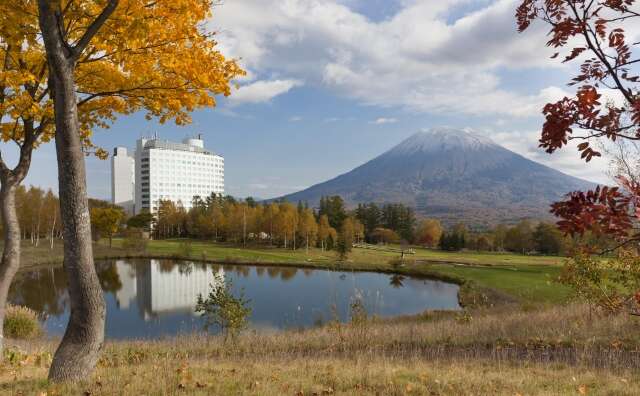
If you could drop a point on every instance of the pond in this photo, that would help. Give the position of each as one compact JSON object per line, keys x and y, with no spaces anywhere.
{"x":155,"y":298}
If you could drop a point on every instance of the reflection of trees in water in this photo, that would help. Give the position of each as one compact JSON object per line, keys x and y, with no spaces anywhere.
{"x":288,"y":273}
{"x":432,"y":286}
{"x":109,"y":278}
{"x":185,"y":268}
{"x":43,"y":291}
{"x":273,"y":272}
{"x":240,"y":270}
{"x":260,"y":271}
{"x":46,"y":290}
{"x":307,"y":271}
{"x":166,"y":266}
{"x":243,"y":270}
{"x":396,"y":281}
{"x":285,"y":273}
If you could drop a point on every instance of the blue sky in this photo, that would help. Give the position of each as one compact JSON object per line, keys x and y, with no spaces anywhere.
{"x":334,"y":83}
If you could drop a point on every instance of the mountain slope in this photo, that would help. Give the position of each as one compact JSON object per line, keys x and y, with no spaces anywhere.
{"x":454,"y":175}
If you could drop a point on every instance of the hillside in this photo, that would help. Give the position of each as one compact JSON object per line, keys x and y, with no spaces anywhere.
{"x":453,"y":175}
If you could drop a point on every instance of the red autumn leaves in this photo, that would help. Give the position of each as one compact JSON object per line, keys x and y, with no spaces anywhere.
{"x":594,"y":33}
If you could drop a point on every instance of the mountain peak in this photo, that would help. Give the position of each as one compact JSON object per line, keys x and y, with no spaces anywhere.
{"x":442,"y":139}
{"x":453,"y":175}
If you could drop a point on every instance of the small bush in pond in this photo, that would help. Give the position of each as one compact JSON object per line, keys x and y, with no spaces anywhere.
{"x":21,"y":323}
{"x":224,"y":310}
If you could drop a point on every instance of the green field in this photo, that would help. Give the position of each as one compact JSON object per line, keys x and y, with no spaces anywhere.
{"x":222,"y":251}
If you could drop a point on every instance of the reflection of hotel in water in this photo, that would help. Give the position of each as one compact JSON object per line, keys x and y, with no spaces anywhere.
{"x":162,"y":288}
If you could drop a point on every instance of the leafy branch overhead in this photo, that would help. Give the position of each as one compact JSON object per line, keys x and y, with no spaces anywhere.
{"x":593,"y":33}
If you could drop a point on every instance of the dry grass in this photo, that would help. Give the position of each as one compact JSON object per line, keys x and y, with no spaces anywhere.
{"x":559,"y":350}
{"x":436,"y":334}
{"x":21,"y":322}
{"x":43,"y":256}
{"x":363,"y":375}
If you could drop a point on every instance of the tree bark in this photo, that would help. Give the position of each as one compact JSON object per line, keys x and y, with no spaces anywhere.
{"x":77,"y":354}
{"x":38,"y":223}
{"x":11,"y":253}
{"x":53,"y":227}
{"x":79,"y":350}
{"x":10,"y":179}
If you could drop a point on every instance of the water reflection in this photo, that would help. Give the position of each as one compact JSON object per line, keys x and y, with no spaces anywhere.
{"x":161,"y":286}
{"x":151,"y":298}
{"x":396,"y":281}
{"x":43,"y":291}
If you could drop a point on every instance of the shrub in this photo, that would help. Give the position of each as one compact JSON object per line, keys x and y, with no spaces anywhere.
{"x":135,"y":240}
{"x":21,"y":323}
{"x":224,"y":310}
{"x":612,"y":285}
{"x":359,"y":319}
{"x":358,"y":311}
{"x":185,"y":249}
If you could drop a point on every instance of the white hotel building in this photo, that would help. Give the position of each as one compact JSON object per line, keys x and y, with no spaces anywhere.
{"x":123,"y":179}
{"x":177,"y":172}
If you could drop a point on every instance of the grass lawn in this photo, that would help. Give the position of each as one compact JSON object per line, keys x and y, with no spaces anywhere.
{"x":224,"y":251}
{"x":486,"y":258}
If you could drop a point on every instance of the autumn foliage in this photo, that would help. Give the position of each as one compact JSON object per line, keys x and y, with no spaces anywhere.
{"x":151,"y":56}
{"x":592,"y":32}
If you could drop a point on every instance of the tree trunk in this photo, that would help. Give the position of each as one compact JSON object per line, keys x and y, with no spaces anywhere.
{"x":78,"y":352}
{"x":38,"y":226}
{"x":244,"y":227}
{"x":11,"y":254}
{"x":53,"y":227}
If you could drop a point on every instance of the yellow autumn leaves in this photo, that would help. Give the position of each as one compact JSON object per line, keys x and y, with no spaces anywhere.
{"x":156,"y":57}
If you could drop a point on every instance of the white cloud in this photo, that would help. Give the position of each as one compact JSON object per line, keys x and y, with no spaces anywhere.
{"x":417,"y":59}
{"x":566,"y":159}
{"x":295,"y":119}
{"x":383,"y":120}
{"x":262,"y":91}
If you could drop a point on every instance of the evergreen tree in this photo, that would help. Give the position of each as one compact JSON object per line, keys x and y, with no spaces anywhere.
{"x":334,"y":208}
